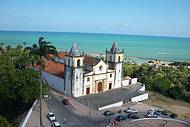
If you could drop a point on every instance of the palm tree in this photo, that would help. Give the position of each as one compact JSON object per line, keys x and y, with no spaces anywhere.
{"x":24,"y":43}
{"x":1,"y":47}
{"x":41,"y":50}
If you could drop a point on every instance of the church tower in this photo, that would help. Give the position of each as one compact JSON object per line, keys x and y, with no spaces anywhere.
{"x":74,"y":72}
{"x":115,"y":59}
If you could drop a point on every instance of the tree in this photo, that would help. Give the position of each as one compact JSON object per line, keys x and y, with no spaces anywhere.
{"x":188,"y":84}
{"x":24,"y":43}
{"x":18,"y":88}
{"x":42,"y":50}
{"x":4,"y":122}
{"x":1,"y":47}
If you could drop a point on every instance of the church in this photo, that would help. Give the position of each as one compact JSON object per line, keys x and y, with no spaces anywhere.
{"x":84,"y":74}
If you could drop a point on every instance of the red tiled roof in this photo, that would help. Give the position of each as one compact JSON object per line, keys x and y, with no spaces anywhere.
{"x":89,"y":60}
{"x":51,"y":55}
{"x":54,"y":68}
{"x":62,"y":55}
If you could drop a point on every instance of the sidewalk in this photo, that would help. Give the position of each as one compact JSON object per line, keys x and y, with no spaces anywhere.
{"x":34,"y":120}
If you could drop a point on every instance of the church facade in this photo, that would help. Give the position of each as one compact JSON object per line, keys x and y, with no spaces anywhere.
{"x":84,"y":74}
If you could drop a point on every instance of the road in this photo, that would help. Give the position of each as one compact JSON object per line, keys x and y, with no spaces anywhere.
{"x":72,"y":119}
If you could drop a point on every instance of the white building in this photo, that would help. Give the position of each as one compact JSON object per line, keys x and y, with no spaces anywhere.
{"x":85,"y":74}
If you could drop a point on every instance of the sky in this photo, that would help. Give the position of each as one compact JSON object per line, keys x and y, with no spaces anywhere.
{"x":139,"y":17}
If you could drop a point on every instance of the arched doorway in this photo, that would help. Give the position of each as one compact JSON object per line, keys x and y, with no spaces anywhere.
{"x":119,"y":59}
{"x":100,"y":87}
{"x":110,"y":86}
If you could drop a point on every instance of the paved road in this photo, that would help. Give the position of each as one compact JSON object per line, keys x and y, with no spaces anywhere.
{"x":72,"y":120}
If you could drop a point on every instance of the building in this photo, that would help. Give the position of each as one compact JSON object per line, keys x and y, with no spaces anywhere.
{"x":84,"y":74}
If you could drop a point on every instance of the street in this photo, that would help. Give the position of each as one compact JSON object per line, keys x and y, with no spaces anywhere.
{"x":72,"y":119}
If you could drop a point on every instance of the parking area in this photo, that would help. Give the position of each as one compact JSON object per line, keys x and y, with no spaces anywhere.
{"x":123,"y":94}
{"x":149,"y":117}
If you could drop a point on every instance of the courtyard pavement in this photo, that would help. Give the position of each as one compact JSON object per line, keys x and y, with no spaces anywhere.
{"x":111,"y":96}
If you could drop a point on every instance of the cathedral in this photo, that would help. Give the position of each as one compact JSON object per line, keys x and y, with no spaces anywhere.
{"x":84,"y":74}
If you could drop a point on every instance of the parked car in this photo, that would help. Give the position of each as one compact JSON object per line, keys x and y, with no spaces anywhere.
{"x":120,"y":118}
{"x":65,"y":101}
{"x":130,"y":110}
{"x":51,"y":116}
{"x":108,"y":113}
{"x":56,"y":124}
{"x":150,"y":115}
{"x":173,"y":115}
{"x":45,"y":96}
{"x":133,"y":116}
{"x":158,"y":113}
{"x":164,"y":112}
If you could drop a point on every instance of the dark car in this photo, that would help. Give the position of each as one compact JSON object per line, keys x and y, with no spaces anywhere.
{"x":108,"y":113}
{"x":164,"y":112}
{"x":120,"y":118}
{"x":66,"y":101}
{"x":173,"y":115}
{"x":132,"y":116}
{"x":158,"y":113}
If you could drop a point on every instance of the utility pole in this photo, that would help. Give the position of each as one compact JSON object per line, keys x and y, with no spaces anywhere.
{"x":41,"y":121}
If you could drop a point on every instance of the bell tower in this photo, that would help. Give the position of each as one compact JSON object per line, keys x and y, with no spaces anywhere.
{"x":115,"y":59}
{"x":74,"y":72}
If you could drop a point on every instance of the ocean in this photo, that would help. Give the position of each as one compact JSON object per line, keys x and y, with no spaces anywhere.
{"x":138,"y":47}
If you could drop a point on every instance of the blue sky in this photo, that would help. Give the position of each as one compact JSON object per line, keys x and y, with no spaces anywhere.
{"x":142,"y":17}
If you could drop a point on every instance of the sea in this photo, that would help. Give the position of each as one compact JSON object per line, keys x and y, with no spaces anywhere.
{"x":137,"y":48}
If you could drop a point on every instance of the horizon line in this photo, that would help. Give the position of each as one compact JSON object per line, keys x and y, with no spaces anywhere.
{"x":75,"y":32}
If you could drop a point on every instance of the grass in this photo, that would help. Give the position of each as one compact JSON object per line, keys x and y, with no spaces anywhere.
{"x":181,"y":108}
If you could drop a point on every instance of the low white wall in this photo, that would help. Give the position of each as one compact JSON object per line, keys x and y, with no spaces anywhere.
{"x":125,"y":82}
{"x":59,"y":60}
{"x":55,"y":82}
{"x":23,"y":123}
{"x":142,"y":88}
{"x":139,"y":98}
{"x":133,"y":80}
{"x":111,"y":105}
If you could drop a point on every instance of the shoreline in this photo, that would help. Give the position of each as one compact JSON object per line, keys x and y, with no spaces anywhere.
{"x":139,"y":60}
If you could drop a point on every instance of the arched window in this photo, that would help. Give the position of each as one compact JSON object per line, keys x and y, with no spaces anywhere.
{"x":78,"y":63}
{"x":69,"y":62}
{"x":119,"y":59}
{"x":77,"y":77}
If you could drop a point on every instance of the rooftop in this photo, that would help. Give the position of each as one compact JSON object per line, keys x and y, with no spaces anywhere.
{"x":54,"y":68}
{"x":89,"y":60}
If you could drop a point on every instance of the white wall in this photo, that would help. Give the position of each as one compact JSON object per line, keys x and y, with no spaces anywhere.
{"x":139,"y":98}
{"x":97,"y":70}
{"x":125,"y":82}
{"x":133,"y":80}
{"x":54,"y":81}
{"x":59,"y":60}
{"x":23,"y":123}
{"x":77,"y":83}
{"x":142,"y":88}
{"x":111,"y":105}
{"x":118,"y":72}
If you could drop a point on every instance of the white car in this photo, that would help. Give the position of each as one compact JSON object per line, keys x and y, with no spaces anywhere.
{"x":51,"y":116}
{"x":129,"y":110}
{"x":45,"y":96}
{"x":56,"y":124}
{"x":151,"y":115}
